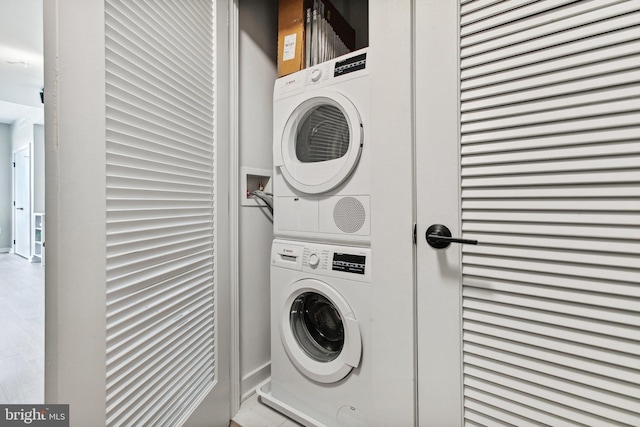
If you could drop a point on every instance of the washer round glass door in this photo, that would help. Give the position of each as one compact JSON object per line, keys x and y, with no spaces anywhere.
{"x":317,"y":326}
{"x":321,"y":143}
{"x":319,"y":331}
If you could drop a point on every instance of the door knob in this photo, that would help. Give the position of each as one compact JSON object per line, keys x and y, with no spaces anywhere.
{"x":439,"y":237}
{"x":20,"y":209}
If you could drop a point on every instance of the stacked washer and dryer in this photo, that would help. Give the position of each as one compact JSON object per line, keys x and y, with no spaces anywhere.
{"x":321,"y":258}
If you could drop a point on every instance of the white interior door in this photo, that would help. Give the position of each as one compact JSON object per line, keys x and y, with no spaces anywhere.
{"x":22,"y":202}
{"x":543,"y":142}
{"x":137,"y":236}
{"x":165,"y":349}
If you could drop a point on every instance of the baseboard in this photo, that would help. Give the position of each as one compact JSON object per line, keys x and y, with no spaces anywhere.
{"x":5,"y":250}
{"x":254,"y":378}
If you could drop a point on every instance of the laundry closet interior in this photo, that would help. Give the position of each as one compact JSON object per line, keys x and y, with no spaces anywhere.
{"x":257,"y":73}
{"x":488,"y":118}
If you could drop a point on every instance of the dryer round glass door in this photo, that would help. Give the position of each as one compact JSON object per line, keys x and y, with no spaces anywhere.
{"x":321,"y":143}
{"x":319,"y":331}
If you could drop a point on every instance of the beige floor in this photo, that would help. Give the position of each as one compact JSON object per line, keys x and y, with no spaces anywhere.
{"x":21,"y":330}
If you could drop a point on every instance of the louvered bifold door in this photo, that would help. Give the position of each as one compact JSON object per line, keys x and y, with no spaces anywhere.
{"x":160,"y":210}
{"x":550,"y":145}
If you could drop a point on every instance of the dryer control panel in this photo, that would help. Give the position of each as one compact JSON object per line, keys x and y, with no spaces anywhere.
{"x":329,"y":260}
{"x":350,"y":66}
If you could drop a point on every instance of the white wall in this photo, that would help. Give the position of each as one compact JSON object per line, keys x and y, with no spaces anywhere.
{"x":21,"y":133}
{"x":6,"y":192}
{"x":38,"y":169}
{"x":258,"y":22}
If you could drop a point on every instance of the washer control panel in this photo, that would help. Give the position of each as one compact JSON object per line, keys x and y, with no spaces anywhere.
{"x":315,"y":258}
{"x":329,"y":260}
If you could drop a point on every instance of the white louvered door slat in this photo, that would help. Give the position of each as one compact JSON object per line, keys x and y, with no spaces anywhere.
{"x":161,"y":290}
{"x":550,"y":187}
{"x":552,"y":35}
{"x":579,"y":40}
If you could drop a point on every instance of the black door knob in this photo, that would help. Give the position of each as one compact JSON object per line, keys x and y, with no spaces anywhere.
{"x":439,"y":237}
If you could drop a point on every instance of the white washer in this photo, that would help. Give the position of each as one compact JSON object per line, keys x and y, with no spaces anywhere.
{"x":321,"y":180}
{"x":320,"y":335}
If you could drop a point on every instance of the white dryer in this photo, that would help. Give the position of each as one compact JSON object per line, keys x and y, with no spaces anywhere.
{"x":321,"y":180}
{"x":320,"y":334}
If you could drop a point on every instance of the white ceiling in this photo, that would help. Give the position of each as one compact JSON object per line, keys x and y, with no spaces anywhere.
{"x":21,"y":60}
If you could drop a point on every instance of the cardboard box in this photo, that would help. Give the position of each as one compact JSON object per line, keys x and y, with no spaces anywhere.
{"x":292,"y":24}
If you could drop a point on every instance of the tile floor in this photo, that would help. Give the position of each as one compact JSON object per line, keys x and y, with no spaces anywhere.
{"x":21,"y":330}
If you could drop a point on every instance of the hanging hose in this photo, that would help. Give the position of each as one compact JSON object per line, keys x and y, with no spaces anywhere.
{"x":267,"y":198}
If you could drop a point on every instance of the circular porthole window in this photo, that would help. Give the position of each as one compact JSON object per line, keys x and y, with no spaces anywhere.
{"x":323,"y":134}
{"x":321,"y":143}
{"x":317,"y":326}
{"x":319,"y":331}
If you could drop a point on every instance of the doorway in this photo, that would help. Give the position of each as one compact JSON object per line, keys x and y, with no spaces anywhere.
{"x":22,"y":135}
{"x":22,"y":202}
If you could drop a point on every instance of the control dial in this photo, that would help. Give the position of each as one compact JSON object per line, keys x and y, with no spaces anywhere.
{"x":316,"y":74}
{"x":314,"y":260}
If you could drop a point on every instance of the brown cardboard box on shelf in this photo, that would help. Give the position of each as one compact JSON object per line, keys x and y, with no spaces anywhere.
{"x":292,"y":20}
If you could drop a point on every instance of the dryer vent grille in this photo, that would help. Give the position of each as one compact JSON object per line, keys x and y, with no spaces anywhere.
{"x":349,"y":214}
